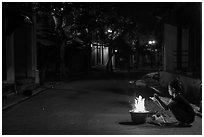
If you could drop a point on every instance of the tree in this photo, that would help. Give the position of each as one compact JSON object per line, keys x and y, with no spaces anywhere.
{"x":80,"y":24}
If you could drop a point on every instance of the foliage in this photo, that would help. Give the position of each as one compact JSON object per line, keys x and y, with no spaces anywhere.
{"x":83,"y":23}
{"x":80,"y":22}
{"x":14,"y":15}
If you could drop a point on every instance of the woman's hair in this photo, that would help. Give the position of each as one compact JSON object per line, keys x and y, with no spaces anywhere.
{"x":177,"y":85}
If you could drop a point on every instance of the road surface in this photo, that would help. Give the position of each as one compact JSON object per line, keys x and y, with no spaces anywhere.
{"x":98,"y":106}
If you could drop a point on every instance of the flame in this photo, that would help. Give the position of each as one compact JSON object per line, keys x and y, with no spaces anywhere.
{"x":139,"y":105}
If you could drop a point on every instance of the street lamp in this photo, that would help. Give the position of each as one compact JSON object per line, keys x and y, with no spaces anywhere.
{"x":151,"y":42}
{"x":110,"y":31}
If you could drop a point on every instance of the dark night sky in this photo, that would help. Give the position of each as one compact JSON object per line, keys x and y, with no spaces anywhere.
{"x":144,"y":12}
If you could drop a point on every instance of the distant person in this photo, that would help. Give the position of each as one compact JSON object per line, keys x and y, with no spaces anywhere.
{"x":178,"y":105}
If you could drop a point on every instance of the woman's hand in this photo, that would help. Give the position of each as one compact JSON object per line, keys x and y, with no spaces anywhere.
{"x":161,"y":103}
{"x":156,"y":95}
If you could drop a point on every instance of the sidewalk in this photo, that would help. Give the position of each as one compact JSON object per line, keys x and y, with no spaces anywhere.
{"x":14,"y":99}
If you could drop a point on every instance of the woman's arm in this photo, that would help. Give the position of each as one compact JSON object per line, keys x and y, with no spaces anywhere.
{"x":161,"y":103}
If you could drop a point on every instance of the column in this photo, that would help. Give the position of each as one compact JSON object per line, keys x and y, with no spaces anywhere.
{"x":10,"y":64}
{"x":35,"y":72}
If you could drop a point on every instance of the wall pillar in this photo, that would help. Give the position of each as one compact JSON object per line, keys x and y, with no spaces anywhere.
{"x":179,"y":47}
{"x":10,"y":64}
{"x":35,"y":72}
{"x":170,"y":45}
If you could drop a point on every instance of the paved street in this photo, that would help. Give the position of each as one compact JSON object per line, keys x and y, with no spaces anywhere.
{"x":96,"y":106}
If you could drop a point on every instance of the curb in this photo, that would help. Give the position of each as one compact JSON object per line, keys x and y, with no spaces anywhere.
{"x":35,"y":92}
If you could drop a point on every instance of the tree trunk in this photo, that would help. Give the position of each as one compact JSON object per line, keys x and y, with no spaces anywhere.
{"x":62,"y":60}
{"x":109,"y":66}
{"x":57,"y":64}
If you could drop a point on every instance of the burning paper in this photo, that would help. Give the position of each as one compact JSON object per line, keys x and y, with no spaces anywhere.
{"x":139,"y":105}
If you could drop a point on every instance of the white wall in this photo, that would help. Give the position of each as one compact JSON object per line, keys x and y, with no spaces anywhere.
{"x":102,"y":54}
{"x":105,"y":55}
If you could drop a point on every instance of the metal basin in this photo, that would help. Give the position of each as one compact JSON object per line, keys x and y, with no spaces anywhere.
{"x":138,"y":117}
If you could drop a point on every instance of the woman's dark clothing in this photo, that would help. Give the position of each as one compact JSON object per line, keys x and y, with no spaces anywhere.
{"x":182,"y":110}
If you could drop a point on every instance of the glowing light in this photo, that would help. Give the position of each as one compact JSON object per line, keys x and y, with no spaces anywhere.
{"x":116,"y":50}
{"x":139,"y":105}
{"x":109,"y":30}
{"x":150,"y":42}
{"x":87,"y":30}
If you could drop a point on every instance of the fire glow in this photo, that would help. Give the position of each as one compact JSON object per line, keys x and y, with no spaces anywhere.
{"x":139,"y":105}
